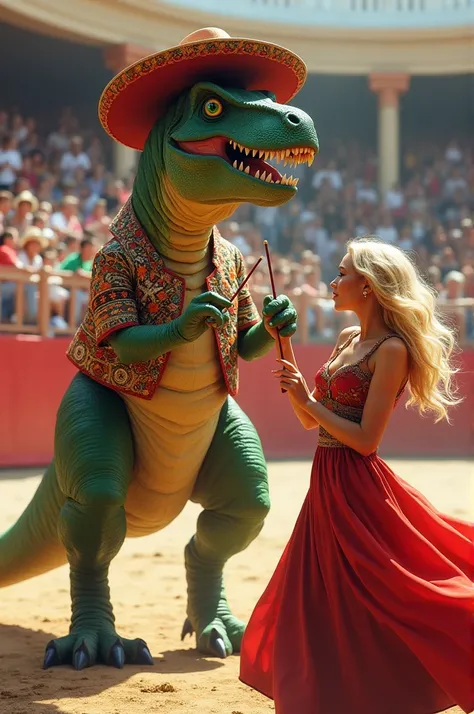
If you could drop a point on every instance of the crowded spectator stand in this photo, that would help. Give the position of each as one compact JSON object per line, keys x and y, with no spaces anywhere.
{"x":58,"y":196}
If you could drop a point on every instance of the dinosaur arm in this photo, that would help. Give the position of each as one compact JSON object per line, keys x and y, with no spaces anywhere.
{"x":254,"y":342}
{"x":141,"y":343}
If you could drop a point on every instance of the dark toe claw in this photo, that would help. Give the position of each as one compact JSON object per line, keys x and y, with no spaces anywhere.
{"x":81,"y":658}
{"x":217,"y":644}
{"x":117,"y":655}
{"x":50,"y":657}
{"x":188,"y":629}
{"x":144,"y":656}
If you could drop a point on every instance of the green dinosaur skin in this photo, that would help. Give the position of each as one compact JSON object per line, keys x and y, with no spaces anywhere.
{"x":77,"y":514}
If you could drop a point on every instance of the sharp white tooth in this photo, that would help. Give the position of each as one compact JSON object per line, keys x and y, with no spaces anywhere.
{"x":269,"y":179}
{"x":277,"y":181}
{"x":261,"y":154}
{"x":234,"y":144}
{"x":241,"y":166}
{"x":266,"y":155}
{"x":263,"y":176}
{"x":241,"y":148}
{"x":257,"y":174}
{"x":284,"y":180}
{"x":282,"y":155}
{"x":247,"y":170}
{"x":255,"y":152}
{"x":285,"y":162}
{"x":235,"y":164}
{"x":296,"y":182}
{"x":288,"y":152}
{"x":247,"y":151}
{"x":310,"y":159}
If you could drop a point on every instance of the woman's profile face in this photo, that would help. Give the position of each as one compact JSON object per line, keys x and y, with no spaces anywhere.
{"x":347,"y":286}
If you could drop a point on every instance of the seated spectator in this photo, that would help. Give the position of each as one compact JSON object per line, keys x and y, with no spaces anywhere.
{"x":8,"y":254}
{"x":41,"y":221}
{"x":66,"y":220}
{"x":74,"y":159}
{"x":6,"y":203}
{"x":82,"y":260}
{"x":386,"y":229}
{"x":450,"y":301}
{"x":81,"y":263}
{"x":98,"y":222}
{"x":24,"y":205}
{"x":10,"y":162}
{"x":8,"y":258}
{"x":31,"y":245}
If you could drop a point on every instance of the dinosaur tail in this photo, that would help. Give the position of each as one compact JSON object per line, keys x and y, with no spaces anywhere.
{"x":32,"y":546}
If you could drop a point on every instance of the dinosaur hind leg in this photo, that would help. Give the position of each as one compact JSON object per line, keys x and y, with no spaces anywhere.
{"x":94,"y":459}
{"x":232,"y":487}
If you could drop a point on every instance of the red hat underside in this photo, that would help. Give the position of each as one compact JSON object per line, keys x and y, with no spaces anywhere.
{"x":134,"y":109}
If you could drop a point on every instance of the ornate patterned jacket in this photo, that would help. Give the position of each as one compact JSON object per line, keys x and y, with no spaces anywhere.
{"x":130,"y":285}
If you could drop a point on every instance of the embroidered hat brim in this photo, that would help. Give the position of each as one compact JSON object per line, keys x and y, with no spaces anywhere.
{"x":140,"y":94}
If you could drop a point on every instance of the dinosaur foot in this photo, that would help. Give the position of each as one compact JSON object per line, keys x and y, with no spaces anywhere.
{"x":221,"y":638}
{"x":216,"y":642}
{"x":89,"y":647}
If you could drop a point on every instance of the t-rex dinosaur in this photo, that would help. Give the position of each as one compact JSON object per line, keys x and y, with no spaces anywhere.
{"x":149,"y":421}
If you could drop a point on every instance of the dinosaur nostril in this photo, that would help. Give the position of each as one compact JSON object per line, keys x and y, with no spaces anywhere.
{"x":293,"y":119}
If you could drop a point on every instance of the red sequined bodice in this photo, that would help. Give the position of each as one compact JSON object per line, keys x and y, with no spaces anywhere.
{"x":345,"y":391}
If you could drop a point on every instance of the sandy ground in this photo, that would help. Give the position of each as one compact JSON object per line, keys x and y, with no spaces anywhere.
{"x":148,"y":591}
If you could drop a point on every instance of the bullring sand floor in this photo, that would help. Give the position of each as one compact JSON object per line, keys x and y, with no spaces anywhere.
{"x":148,"y":590}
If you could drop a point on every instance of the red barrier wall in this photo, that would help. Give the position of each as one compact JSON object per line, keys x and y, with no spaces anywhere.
{"x":34,"y":374}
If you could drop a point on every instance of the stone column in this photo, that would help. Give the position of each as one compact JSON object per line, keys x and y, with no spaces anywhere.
{"x":116,"y":58}
{"x":389,"y":87}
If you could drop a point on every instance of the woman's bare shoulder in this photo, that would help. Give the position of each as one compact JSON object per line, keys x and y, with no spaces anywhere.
{"x":345,"y":334}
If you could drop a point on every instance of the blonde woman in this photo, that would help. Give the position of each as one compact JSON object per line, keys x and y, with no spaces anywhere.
{"x":370,"y":608}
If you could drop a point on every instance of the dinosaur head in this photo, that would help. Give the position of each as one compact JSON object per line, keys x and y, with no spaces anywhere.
{"x":228,"y":146}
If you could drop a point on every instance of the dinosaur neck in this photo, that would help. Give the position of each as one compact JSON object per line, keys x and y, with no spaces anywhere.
{"x":179,"y":229}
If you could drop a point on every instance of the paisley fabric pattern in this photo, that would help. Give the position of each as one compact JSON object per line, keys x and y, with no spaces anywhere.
{"x":131,"y":285}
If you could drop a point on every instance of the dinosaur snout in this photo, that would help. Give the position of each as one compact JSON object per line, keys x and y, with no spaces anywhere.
{"x":292,"y":119}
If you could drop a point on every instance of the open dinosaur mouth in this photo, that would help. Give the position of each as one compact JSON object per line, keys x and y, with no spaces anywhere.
{"x":251,"y":161}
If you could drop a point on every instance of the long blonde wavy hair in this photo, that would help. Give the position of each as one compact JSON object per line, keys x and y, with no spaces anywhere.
{"x":409,"y":309}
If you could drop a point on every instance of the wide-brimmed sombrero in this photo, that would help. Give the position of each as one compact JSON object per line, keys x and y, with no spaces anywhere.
{"x":140,"y":94}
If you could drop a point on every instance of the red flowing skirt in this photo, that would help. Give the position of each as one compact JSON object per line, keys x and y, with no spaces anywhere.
{"x":370,"y":609}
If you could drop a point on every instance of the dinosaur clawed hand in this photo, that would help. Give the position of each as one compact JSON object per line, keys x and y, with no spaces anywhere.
{"x":84,"y":649}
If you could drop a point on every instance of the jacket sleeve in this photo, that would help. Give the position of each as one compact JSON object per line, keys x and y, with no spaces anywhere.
{"x":247,"y":311}
{"x":112,"y":295}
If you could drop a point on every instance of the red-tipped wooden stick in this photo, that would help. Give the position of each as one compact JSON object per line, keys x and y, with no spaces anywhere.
{"x":272,"y":281}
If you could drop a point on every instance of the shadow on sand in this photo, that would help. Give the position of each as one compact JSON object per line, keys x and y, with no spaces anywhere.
{"x":25,"y":688}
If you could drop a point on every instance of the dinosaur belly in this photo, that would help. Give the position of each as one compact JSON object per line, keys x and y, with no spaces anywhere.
{"x":172,"y":433}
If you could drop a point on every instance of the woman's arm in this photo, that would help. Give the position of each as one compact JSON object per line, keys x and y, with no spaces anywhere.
{"x":307,"y":420}
{"x":391,"y":370}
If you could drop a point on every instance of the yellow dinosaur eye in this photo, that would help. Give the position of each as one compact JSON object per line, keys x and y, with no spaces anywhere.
{"x":213,"y":107}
